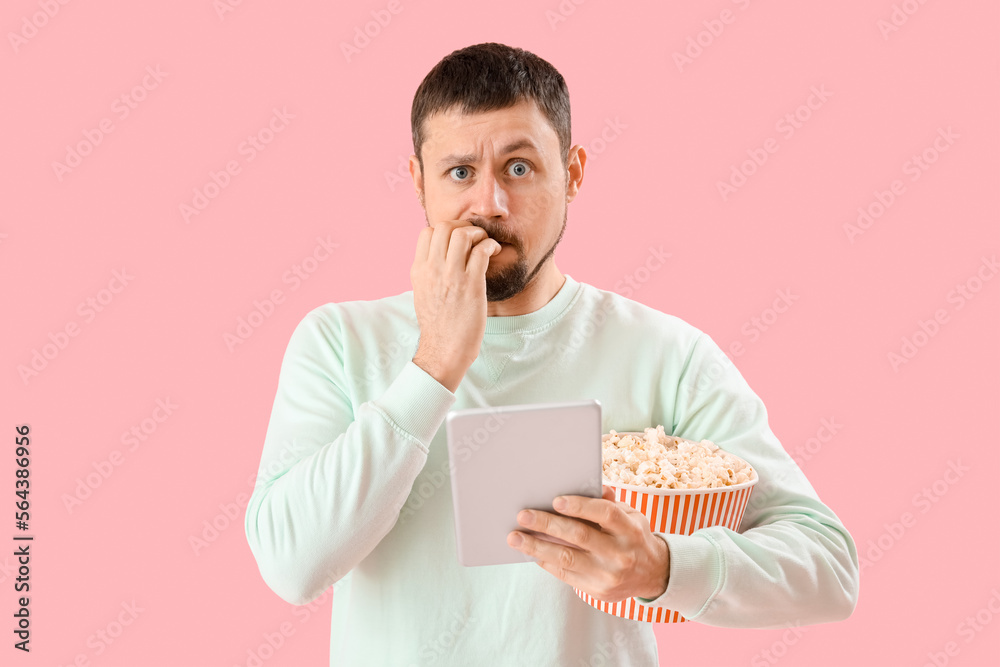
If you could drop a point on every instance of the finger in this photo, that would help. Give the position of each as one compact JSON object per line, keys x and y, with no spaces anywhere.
{"x":479,"y":259}
{"x":610,"y":493}
{"x":463,"y":238}
{"x":423,"y":244}
{"x":565,"y":559}
{"x":607,"y":514}
{"x":441,"y":239}
{"x":574,"y":531}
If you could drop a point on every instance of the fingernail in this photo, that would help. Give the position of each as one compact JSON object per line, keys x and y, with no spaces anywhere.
{"x":516,"y":540}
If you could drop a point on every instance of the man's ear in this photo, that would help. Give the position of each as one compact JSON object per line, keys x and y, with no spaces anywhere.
{"x":574,"y":171}
{"x":418,"y":179}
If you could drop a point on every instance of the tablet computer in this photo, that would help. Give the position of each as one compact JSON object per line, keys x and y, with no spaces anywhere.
{"x":508,"y":458}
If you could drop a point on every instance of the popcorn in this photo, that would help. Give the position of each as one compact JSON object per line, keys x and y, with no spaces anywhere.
{"x":663,"y":461}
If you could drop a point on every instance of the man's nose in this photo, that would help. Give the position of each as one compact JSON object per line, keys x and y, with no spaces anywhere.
{"x":489,"y":199}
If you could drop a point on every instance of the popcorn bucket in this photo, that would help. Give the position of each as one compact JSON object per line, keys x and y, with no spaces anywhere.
{"x":678,"y":511}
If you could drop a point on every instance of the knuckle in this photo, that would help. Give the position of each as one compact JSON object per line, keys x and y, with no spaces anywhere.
{"x":566,"y":559}
{"x":625,"y":562}
{"x":612,"y":513}
{"x":470,"y":234}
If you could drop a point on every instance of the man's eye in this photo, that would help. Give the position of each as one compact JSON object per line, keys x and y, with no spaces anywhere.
{"x":464,"y":170}
{"x":519,"y":168}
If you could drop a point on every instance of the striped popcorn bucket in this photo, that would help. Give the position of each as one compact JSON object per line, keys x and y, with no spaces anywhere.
{"x":679,"y":511}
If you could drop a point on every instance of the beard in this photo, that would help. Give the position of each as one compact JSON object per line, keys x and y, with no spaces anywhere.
{"x":504,"y":282}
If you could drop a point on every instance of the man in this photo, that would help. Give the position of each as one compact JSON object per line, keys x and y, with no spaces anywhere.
{"x":353,"y":489}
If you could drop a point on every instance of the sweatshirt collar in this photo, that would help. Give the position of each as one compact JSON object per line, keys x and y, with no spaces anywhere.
{"x":527,"y":322}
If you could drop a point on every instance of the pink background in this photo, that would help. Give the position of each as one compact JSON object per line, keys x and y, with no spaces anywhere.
{"x":331,"y":172}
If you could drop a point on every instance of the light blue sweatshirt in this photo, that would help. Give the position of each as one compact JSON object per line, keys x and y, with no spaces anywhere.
{"x":354,"y":490}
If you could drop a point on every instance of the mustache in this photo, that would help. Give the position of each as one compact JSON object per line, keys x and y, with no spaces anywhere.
{"x":498,"y":235}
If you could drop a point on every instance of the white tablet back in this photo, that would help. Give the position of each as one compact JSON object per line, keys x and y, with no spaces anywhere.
{"x":505,"y":459}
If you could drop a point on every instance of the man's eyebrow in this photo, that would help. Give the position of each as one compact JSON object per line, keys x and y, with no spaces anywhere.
{"x":518,"y":145}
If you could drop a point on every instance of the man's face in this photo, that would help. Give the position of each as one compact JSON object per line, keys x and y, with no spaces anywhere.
{"x":502,"y":171}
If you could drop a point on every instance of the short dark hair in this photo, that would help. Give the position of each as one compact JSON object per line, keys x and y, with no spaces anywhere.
{"x":490,"y":76}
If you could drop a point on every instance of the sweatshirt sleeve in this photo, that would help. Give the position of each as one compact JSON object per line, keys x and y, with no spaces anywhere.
{"x":332,"y":481}
{"x":793,"y":562}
